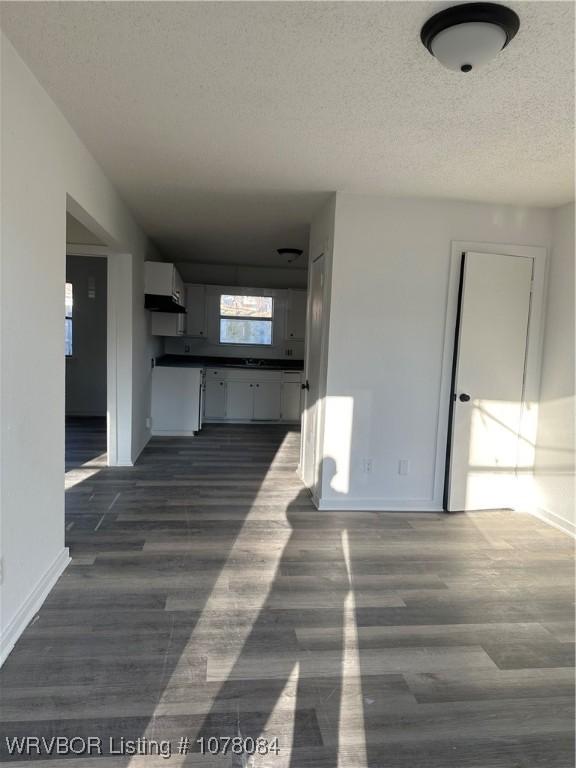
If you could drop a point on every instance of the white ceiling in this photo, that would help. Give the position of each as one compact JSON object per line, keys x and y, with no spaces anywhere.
{"x":225,"y":125}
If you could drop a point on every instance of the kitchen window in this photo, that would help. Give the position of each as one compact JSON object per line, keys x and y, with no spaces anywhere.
{"x":246,"y":319}
{"x":68,"y":304}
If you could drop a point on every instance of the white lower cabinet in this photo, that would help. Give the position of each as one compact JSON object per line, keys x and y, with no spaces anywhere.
{"x":176,"y":401}
{"x":215,"y":399}
{"x":267,"y":401}
{"x":239,"y":400}
{"x":290,"y":401}
{"x":252,"y":395}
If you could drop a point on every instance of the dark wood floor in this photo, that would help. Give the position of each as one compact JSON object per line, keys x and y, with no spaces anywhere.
{"x":207,"y":597}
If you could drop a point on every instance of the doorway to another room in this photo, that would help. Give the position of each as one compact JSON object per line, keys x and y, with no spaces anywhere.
{"x":85,"y":332}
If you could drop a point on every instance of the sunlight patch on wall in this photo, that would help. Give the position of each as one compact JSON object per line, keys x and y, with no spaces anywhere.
{"x":338,"y":423}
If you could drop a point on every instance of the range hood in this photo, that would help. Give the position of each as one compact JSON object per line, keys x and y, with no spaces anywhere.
{"x":163,"y":288}
{"x":157,"y":302}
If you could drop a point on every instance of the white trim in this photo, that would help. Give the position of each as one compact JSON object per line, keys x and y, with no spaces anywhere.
{"x":136,"y":454}
{"x":175,"y":433}
{"x":88,"y":250}
{"x":32,"y":604}
{"x":377,"y":505}
{"x":232,"y":421}
{"x":533,"y":350}
{"x":551,"y":518}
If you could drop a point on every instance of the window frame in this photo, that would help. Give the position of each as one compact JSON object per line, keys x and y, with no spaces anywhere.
{"x":242,"y":317}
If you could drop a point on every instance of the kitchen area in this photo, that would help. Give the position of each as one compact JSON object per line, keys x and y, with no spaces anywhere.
{"x":231,"y":354}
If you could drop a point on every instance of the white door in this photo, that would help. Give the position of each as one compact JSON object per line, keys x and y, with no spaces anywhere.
{"x":267,"y":401}
{"x":488,"y":381}
{"x":240,"y":401}
{"x":312,"y":373}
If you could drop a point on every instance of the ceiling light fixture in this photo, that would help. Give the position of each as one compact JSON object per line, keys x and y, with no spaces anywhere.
{"x":465,"y":37}
{"x":291,"y":253}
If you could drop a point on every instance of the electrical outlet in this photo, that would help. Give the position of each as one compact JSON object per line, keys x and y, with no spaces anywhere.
{"x":367,"y":466}
{"x":186,"y":347}
{"x":403,"y":466}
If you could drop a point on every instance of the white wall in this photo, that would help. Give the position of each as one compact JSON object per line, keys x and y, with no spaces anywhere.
{"x":554,"y":467}
{"x":87,"y":367}
{"x":45,"y":167}
{"x":388,"y":305}
{"x":211,"y":345}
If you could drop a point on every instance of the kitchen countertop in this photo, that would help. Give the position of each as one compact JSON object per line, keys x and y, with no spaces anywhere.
{"x":196,"y":361}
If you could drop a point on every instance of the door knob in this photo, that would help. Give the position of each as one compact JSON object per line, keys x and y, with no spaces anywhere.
{"x":464,"y":397}
{"x":306,"y":385}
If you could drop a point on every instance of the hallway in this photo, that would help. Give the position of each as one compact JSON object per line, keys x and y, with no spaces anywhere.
{"x":208,"y":598}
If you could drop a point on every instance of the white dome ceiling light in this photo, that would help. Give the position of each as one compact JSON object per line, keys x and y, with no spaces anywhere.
{"x":465,"y":37}
{"x":291,"y":254}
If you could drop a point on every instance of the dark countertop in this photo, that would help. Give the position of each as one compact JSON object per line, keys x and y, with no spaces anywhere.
{"x":198,"y":361}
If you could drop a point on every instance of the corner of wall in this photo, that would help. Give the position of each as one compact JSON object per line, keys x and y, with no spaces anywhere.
{"x":32,"y":604}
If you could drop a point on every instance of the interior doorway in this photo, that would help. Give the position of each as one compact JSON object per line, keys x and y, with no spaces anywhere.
{"x":85,"y":332}
{"x":488,"y":392}
{"x":110,"y":275}
{"x":86,"y":360}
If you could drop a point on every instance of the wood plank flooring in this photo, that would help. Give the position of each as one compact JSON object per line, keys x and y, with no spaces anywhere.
{"x":208,"y":598}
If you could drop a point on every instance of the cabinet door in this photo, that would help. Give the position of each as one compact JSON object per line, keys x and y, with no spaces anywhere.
{"x":167,"y":324}
{"x":267,"y":401}
{"x":291,"y":410}
{"x":296,"y":316}
{"x":215,"y":399}
{"x":240,"y":400}
{"x":196,"y":310}
{"x":179,"y":292}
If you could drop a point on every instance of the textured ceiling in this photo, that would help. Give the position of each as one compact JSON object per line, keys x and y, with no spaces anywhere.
{"x":225,"y":125}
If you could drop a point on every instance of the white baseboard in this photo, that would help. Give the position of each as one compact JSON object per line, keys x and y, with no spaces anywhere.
{"x":377,"y":505}
{"x":555,"y":520}
{"x":32,"y":604}
{"x":134,"y":458}
{"x":173,"y":433}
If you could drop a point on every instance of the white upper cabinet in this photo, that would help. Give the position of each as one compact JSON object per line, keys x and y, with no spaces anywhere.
{"x":296,"y":315}
{"x":163,"y":279}
{"x":196,"y":311}
{"x":168,"y":324}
